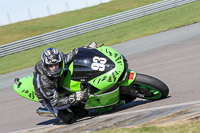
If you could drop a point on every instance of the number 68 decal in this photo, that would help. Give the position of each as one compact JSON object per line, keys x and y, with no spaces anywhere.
{"x":98,"y":63}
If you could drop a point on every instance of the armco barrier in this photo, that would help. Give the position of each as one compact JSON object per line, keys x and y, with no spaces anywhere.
{"x":89,"y":26}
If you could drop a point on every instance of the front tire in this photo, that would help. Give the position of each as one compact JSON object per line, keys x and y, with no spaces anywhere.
{"x":150,"y":87}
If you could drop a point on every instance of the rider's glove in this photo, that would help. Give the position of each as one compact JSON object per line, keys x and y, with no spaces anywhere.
{"x":71,"y":55}
{"x":78,"y":96}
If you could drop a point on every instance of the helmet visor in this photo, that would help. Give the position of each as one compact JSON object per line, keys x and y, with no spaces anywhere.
{"x":54,"y":67}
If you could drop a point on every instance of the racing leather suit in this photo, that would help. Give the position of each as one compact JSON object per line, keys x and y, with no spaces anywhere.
{"x":48,"y":89}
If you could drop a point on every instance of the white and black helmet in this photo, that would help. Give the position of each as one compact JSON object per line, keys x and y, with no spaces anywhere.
{"x":50,"y":57}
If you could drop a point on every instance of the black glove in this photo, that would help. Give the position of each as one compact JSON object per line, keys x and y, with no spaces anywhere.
{"x":71,"y":55}
{"x":78,"y":96}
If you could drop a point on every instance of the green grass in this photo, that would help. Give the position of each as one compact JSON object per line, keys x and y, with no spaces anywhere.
{"x":193,"y":127}
{"x":22,"y":30}
{"x":140,"y":27}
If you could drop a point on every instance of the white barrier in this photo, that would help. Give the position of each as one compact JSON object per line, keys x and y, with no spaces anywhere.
{"x":89,"y":26}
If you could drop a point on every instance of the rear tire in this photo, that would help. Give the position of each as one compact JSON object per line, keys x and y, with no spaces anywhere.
{"x":152,"y":88}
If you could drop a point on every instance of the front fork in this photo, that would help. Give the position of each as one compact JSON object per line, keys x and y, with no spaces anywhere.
{"x":127,"y":87}
{"x":127,"y":90}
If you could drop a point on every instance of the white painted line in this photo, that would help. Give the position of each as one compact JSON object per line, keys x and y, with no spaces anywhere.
{"x":151,"y":109}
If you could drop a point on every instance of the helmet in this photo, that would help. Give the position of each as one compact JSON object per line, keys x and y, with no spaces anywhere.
{"x":52,"y":62}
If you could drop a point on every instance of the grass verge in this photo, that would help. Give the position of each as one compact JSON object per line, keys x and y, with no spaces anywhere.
{"x":140,"y":27}
{"x":192,"y":127}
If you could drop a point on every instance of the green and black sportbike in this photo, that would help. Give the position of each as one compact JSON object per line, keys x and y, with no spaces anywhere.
{"x":105,"y":74}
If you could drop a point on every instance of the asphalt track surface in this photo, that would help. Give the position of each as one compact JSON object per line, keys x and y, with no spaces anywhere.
{"x":172,"y":56}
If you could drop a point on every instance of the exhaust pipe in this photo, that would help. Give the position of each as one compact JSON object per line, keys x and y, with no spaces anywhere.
{"x":44,"y":112}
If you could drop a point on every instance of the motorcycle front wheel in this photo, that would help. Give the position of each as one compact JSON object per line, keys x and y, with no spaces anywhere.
{"x":149,"y":87}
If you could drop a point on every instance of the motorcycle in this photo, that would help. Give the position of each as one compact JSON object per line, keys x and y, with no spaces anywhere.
{"x":105,"y":76}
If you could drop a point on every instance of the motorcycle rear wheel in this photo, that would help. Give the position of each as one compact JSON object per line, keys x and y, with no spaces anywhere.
{"x":150,"y":87}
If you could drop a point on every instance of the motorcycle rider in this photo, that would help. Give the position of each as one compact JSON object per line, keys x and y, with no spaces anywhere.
{"x":49,"y":73}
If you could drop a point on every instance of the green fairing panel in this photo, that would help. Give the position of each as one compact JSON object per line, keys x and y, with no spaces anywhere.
{"x":71,"y":85}
{"x":107,"y":80}
{"x":131,"y":75}
{"x":26,"y":88}
{"x":103,"y":100}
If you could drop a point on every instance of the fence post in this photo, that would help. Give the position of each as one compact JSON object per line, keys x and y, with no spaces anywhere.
{"x":29,"y":13}
{"x":8,"y":16}
{"x":48,"y":10}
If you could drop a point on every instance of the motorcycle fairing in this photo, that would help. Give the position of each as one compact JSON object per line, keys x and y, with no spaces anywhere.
{"x":103,"y":100}
{"x":71,"y":85}
{"x":24,"y":87}
{"x":104,"y":77}
{"x":90,"y":63}
{"x":131,"y":75}
{"x":105,"y":81}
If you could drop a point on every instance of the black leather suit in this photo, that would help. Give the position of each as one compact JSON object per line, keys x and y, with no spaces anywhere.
{"x":48,"y":89}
